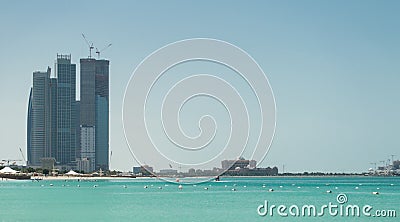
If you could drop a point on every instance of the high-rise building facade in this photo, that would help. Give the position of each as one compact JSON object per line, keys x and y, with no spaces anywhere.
{"x":65,"y":152}
{"x":39,"y":144}
{"x":88,"y":151}
{"x":29,"y":129}
{"x":53,"y":116}
{"x":94,"y":105}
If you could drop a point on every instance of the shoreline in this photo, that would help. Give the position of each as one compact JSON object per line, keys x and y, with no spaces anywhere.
{"x":83,"y":178}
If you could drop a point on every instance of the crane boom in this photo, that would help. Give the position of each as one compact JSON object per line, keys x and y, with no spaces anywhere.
{"x":89,"y":44}
{"x":99,"y":51}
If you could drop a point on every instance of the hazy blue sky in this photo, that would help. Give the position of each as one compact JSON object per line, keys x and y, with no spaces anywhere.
{"x":333,"y":65}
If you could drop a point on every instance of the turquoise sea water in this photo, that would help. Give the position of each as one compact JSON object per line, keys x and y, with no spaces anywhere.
{"x":128,"y":200}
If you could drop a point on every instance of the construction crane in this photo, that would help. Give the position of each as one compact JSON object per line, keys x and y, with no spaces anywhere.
{"x":89,"y":44}
{"x":23,"y":156}
{"x":9,"y":160}
{"x":99,"y":51}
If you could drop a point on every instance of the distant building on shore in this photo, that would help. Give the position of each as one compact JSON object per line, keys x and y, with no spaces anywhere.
{"x":144,"y":170}
{"x":239,"y":163}
{"x":168,"y":172}
{"x":396,"y":164}
{"x":243,"y":167}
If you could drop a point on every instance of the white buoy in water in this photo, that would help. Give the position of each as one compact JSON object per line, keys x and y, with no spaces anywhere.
{"x":125,"y":186}
{"x":271,"y":190}
{"x":95,"y":185}
{"x":375,"y":193}
{"x":233,"y":189}
{"x":180,"y":187}
{"x":51,"y":185}
{"x":145,"y":187}
{"x":160,"y":188}
{"x":356,"y":188}
{"x":329,"y":191}
{"x":280,"y":186}
{"x":205,"y":188}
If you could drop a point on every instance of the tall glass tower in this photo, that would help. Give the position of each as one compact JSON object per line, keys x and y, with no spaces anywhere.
{"x":66,"y":115}
{"x":39,"y":119}
{"x":95,"y":107}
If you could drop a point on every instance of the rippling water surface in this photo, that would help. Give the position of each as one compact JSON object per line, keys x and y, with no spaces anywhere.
{"x":231,"y":199}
